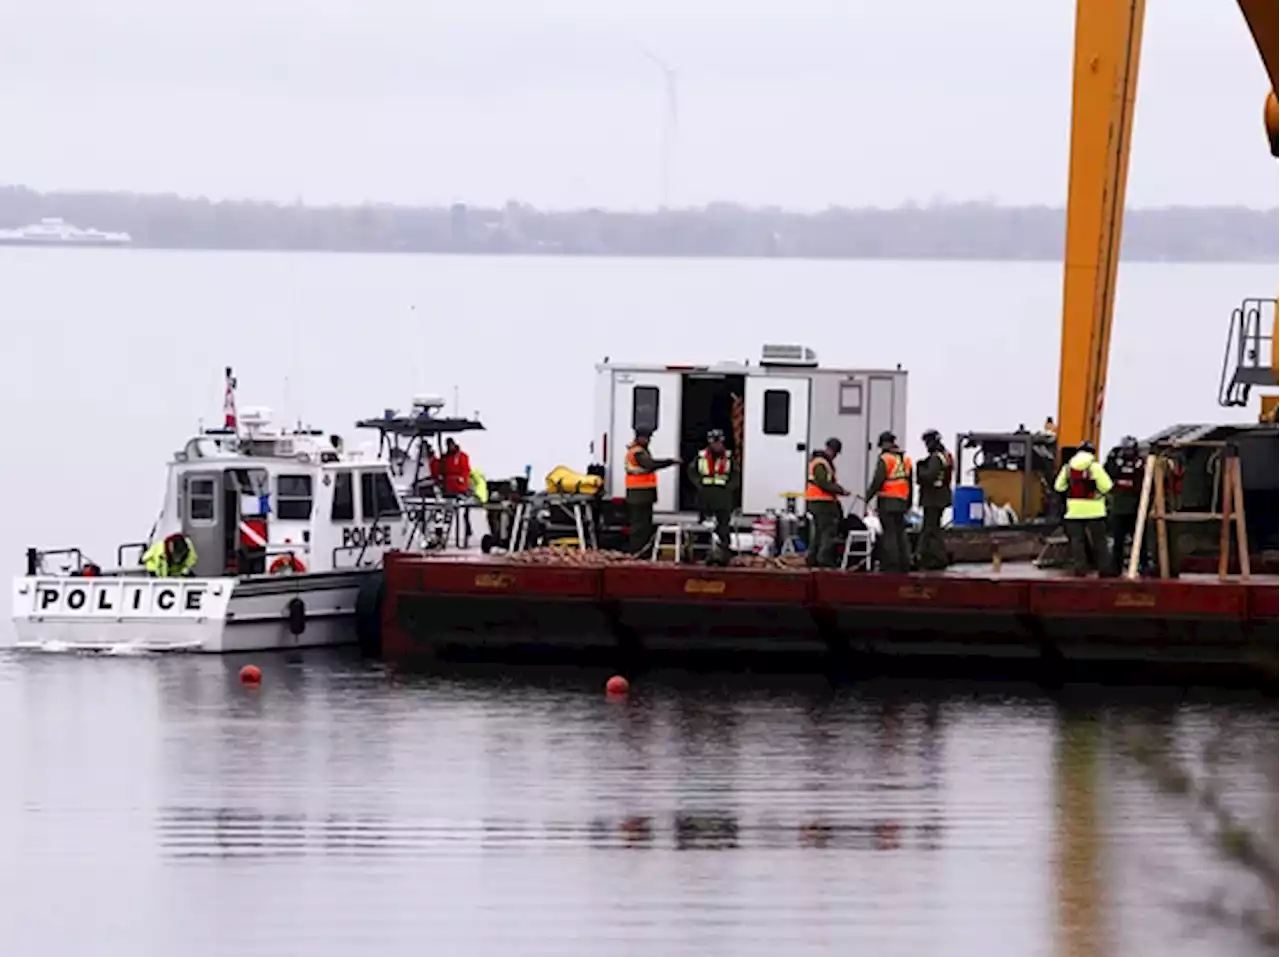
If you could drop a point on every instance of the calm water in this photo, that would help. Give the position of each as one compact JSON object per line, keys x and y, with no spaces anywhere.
{"x":158,"y":807}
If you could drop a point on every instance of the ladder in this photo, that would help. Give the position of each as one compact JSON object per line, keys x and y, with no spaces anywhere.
{"x":1152,"y":505}
{"x":1247,"y":361}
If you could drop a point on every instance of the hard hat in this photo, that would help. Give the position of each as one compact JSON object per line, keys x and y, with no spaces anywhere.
{"x":835,"y":444}
{"x":715,"y":435}
{"x":1128,"y":442}
{"x":887,"y":438}
{"x":931,"y":436}
{"x":1086,"y":447}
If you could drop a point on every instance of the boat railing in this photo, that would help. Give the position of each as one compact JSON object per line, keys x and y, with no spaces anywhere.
{"x":357,"y":550}
{"x":36,"y":559}
{"x":121,"y":550}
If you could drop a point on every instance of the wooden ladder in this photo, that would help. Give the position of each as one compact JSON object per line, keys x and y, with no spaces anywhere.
{"x":1231,"y":511}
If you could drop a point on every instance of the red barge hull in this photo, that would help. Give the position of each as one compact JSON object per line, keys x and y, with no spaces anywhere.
{"x":626,"y":616}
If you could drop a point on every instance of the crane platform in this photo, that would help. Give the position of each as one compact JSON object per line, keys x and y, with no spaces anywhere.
{"x":631,"y":615}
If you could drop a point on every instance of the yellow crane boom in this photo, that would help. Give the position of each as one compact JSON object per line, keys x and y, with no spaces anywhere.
{"x":1108,"y":45}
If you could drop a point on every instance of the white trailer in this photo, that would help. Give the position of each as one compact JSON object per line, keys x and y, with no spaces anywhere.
{"x":789,"y":406}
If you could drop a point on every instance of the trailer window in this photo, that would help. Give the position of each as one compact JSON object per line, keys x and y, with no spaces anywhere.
{"x":293,"y":497}
{"x":377,"y":497}
{"x":851,"y":398}
{"x":202,"y":500}
{"x":344,"y":502}
{"x":777,"y":412}
{"x":644,"y":408}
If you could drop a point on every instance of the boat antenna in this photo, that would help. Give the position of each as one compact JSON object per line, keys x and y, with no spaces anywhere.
{"x":455,"y":401}
{"x":229,"y":419}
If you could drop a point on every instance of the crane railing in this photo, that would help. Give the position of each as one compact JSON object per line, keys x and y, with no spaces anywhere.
{"x":1247,"y":360}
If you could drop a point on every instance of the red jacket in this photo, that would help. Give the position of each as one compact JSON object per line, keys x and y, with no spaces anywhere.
{"x":457,"y":473}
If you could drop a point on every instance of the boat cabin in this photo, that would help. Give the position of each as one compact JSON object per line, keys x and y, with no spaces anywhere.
{"x":774,"y":414}
{"x":255,"y":499}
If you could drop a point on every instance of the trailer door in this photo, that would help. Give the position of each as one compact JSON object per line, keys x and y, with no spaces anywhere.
{"x":646,"y":400}
{"x":880,"y":401}
{"x":775,"y":451}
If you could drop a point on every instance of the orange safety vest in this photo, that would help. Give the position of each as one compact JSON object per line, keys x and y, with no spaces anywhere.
{"x":897,"y":483}
{"x":636,"y":476}
{"x":811,"y":491}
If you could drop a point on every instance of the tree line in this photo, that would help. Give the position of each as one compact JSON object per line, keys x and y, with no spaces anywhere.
{"x":942,"y":230}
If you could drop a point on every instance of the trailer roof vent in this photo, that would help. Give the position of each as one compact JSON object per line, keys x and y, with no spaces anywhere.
{"x":782,"y":355}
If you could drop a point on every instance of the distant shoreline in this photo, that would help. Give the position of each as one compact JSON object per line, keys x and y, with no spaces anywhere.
{"x":962,"y":232}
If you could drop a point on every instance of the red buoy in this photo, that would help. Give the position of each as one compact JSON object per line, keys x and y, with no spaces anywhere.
{"x":617,"y":685}
{"x":250,"y":675}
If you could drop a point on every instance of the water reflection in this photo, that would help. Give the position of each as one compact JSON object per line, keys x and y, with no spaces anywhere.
{"x":193,"y":832}
{"x":348,"y":808}
{"x":1080,"y":878}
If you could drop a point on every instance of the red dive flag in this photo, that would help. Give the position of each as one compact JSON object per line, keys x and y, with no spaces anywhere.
{"x":229,"y":402}
{"x":253,"y":533}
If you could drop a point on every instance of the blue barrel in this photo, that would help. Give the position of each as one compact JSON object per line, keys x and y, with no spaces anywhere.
{"x":967,"y":509}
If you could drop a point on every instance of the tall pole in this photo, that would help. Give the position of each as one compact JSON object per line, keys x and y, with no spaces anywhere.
{"x":669,"y":119}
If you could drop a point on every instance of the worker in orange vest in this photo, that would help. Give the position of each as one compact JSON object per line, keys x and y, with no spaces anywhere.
{"x":891,"y":487}
{"x":642,"y":489}
{"x":822,"y":502}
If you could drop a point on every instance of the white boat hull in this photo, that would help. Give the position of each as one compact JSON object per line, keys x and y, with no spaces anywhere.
{"x":145,"y":615}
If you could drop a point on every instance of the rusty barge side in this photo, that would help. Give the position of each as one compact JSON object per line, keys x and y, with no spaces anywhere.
{"x":632,"y":615}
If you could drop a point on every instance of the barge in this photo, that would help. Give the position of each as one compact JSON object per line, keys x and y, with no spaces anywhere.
{"x":630,"y":615}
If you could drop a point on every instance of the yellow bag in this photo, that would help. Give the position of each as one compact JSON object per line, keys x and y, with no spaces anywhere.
{"x":563,"y":480}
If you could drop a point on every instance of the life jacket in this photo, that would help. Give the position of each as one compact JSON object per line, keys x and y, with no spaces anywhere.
{"x":948,"y":469}
{"x":812,"y":492}
{"x":897,"y":482}
{"x":714,"y":470}
{"x":638,"y":478}
{"x":1081,"y":484}
{"x":1128,"y":470}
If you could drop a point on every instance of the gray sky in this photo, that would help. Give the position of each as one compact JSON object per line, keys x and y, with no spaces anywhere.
{"x":801,"y":103}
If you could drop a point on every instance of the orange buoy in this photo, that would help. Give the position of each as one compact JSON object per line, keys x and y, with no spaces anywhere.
{"x":250,"y":675}
{"x":617,"y":685}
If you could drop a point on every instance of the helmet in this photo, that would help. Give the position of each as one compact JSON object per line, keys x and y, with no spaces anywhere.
{"x":1086,"y":447}
{"x":715,"y":435}
{"x":1128,"y":442}
{"x":931,"y":436}
{"x":834,"y":444}
{"x":887,"y":438}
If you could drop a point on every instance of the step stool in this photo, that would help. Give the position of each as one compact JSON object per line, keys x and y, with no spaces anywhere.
{"x":858,"y":546}
{"x":676,"y":534}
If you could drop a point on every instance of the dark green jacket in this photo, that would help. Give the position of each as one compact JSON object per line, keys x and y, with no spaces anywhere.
{"x":646,"y":461}
{"x":933,"y":476}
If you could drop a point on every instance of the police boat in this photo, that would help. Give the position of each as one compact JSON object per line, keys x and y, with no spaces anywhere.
{"x":287,"y":531}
